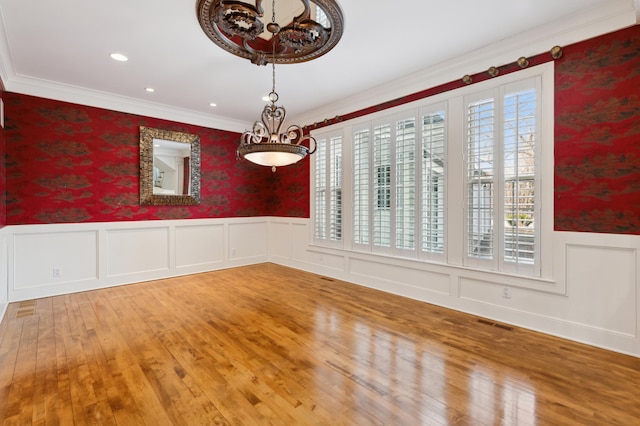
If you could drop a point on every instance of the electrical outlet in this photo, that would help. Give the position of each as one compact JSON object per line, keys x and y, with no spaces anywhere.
{"x":506,"y":292}
{"x":233,"y":252}
{"x":57,"y":272}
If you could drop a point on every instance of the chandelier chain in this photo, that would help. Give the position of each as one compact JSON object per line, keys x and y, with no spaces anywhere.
{"x":273,"y":42}
{"x":265,"y":144}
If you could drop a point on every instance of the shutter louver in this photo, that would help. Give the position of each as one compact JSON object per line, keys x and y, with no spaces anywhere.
{"x":382,"y":186}
{"x":519,"y":176}
{"x":361,"y":187}
{"x":480,"y":179}
{"x":433,"y":182}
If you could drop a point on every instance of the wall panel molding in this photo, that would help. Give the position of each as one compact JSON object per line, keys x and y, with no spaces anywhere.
{"x":48,"y":260}
{"x":593,"y":298}
{"x":4,"y":272}
{"x":597,"y":273}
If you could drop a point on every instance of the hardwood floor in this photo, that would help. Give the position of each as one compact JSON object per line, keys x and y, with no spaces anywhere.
{"x":265,"y":344}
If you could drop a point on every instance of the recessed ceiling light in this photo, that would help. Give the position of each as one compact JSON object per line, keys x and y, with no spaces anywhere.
{"x":212,"y":104}
{"x":119,"y":57}
{"x":149,"y":89}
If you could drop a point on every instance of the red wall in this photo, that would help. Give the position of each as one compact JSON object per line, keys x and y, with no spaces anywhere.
{"x":73,"y":163}
{"x":597,"y":135}
{"x":3,"y":185}
{"x":70,"y":163}
{"x":597,"y":131}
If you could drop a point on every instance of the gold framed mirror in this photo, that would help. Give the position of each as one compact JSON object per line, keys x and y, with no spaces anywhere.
{"x":169,"y":167}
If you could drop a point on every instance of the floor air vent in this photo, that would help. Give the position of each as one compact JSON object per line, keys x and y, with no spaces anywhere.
{"x":495,"y":324}
{"x":26,"y":308}
{"x":25,"y":313}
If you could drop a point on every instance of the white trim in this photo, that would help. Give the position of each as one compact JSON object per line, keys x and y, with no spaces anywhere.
{"x":105,"y":254}
{"x":454,"y":178}
{"x":615,"y":15}
{"x":576,"y":306}
{"x":4,"y":272}
{"x":94,"y":98}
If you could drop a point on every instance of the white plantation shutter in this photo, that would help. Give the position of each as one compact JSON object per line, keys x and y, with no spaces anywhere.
{"x":320,"y":190}
{"x":382,"y":185}
{"x":461,"y":178}
{"x":433,"y":181}
{"x":405,"y":206}
{"x":335,"y":186}
{"x":327,"y":178}
{"x":480,"y":178}
{"x":361,"y":186}
{"x":398,"y":184}
{"x":519,"y":176}
{"x":501,"y":179}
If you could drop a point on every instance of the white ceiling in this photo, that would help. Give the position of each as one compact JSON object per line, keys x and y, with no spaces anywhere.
{"x":52,"y":47}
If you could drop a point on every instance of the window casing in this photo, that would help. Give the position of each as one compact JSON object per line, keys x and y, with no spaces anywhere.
{"x":502,"y":202}
{"x":463,"y":178}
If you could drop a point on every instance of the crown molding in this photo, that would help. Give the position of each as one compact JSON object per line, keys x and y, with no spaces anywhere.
{"x":616,"y":15}
{"x":83,"y":96}
{"x":16,"y":83}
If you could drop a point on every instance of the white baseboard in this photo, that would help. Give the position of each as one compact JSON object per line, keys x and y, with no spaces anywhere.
{"x":593,"y":298}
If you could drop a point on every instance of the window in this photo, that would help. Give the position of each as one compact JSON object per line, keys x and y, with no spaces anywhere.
{"x":328,"y":189}
{"x":398,"y":184}
{"x":405,"y":223}
{"x":361,"y":187}
{"x":501,"y":206}
{"x":382,"y":185}
{"x":462,"y":178}
{"x":433,"y":167}
{"x":335,"y":186}
{"x":321,"y":190}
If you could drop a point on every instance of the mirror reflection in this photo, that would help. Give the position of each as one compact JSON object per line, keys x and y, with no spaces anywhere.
{"x":169,"y":167}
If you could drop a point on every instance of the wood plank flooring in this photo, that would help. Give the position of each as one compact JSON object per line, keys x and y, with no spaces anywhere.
{"x":265,"y":344}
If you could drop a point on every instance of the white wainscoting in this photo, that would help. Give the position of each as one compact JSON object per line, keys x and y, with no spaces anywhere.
{"x":594,"y":297}
{"x":4,"y":273}
{"x":48,"y":260}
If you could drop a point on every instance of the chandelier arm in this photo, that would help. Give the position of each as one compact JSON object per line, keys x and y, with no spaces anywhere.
{"x":313,"y":145}
{"x":273,"y":117}
{"x":297,"y":136}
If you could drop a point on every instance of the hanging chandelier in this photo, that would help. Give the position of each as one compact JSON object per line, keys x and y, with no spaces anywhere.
{"x":235,"y":26}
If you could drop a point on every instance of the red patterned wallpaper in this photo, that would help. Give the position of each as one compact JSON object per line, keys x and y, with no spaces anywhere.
{"x":70,"y":163}
{"x":597,"y":135}
{"x":597,"y":131}
{"x":3,"y":185}
{"x":73,"y":163}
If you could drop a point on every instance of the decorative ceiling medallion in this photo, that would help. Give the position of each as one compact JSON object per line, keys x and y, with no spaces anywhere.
{"x":236,"y":27}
